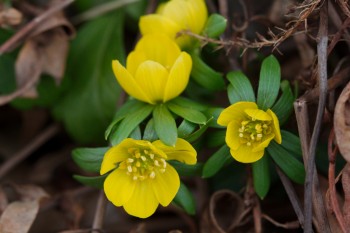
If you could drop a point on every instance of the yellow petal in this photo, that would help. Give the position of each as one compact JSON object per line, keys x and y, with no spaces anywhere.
{"x":165,"y":185}
{"x":265,"y":142}
{"x":118,"y":187}
{"x":159,"y":48}
{"x":178,"y":77}
{"x":128,"y":83}
{"x":152,"y":78}
{"x":190,"y":15}
{"x":258,"y":114}
{"x":235,"y":112}
{"x":113,"y":156}
{"x":276,"y":126}
{"x":143,"y":202}
{"x":232,"y":135}
{"x":244,"y":154}
{"x":155,"y":23}
{"x":183,"y":151}
{"x":133,"y":61}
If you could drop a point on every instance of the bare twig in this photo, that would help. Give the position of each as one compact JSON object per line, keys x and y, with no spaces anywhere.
{"x":101,"y":10}
{"x":23,"y":32}
{"x":322,"y":74}
{"x":100,"y":212}
{"x":287,"y":184}
{"x":27,"y":150}
{"x":288,"y":225}
{"x":331,"y":182}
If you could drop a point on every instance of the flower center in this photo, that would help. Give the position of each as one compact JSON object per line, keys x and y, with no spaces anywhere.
{"x":144,"y":164}
{"x":253,"y":131}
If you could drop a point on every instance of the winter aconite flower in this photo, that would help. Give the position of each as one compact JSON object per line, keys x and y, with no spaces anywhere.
{"x":141,"y":177}
{"x":156,"y":71}
{"x":249,"y":130}
{"x":175,"y":16}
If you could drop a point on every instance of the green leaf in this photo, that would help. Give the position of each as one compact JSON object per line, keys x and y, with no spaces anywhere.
{"x":185,"y":129}
{"x":129,"y":123}
{"x":185,"y":199}
{"x":206,"y":76}
{"x":188,"y":103}
{"x":215,"y":26}
{"x":186,"y":169}
{"x":292,"y":167}
{"x":261,"y":176}
{"x":196,"y":134}
{"x":7,"y":80}
{"x":214,"y":113}
{"x":291,"y":143}
{"x":269,"y":82}
{"x":89,"y":159}
{"x":165,"y":125}
{"x":150,"y":134}
{"x":90,"y":102}
{"x":216,"y":138}
{"x":240,"y":89}
{"x":127,"y":108}
{"x":217,"y":161}
{"x":189,"y":114}
{"x":284,"y":105}
{"x":92,"y":181}
{"x":136,"y":133}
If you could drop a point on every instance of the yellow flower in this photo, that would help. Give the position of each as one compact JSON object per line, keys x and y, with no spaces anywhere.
{"x":156,"y":71}
{"x":175,"y":16}
{"x":144,"y":179}
{"x":249,"y":130}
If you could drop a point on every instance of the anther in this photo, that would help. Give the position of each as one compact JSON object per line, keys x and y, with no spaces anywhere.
{"x":249,"y":144}
{"x":143,"y":158}
{"x":151,"y":155}
{"x":130,"y":160}
{"x":259,"y":135}
{"x":134,"y":177}
{"x":137,"y":155}
{"x":241,"y":135}
{"x":152,"y":175}
{"x":129,"y":168}
{"x":138,"y":164}
{"x":162,"y":170}
{"x":156,"y":163}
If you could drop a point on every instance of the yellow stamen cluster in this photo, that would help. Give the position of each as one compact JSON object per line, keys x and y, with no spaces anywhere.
{"x":143,"y":164}
{"x":253,"y":130}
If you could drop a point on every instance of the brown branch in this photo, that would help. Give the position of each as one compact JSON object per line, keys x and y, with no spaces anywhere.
{"x":288,"y":225}
{"x":288,"y":186}
{"x":332,"y":153}
{"x":27,"y":150}
{"x":23,"y":32}
{"x":310,"y":172}
{"x":100,"y":212}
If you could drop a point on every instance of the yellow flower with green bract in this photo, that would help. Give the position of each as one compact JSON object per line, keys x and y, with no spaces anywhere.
{"x":175,"y":16}
{"x":141,"y":178}
{"x":156,"y":71}
{"x":249,"y":130}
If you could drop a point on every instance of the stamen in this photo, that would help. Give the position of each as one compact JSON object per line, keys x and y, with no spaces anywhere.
{"x":130,"y":160}
{"x":138,"y":164}
{"x":259,"y":135}
{"x":137,"y":155}
{"x":162,"y":170}
{"x":143,"y":158}
{"x":129,"y":168}
{"x":151,"y":155}
{"x":134,"y":177}
{"x":249,"y":144}
{"x":241,"y":135}
{"x":156,"y":163}
{"x":152,"y":175}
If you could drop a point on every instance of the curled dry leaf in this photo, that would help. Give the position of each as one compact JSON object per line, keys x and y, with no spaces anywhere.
{"x":10,"y":17}
{"x":44,"y":52}
{"x":342,"y":123}
{"x":224,"y":212}
{"x":19,"y":215}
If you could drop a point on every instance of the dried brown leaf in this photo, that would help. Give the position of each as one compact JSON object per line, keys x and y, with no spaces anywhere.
{"x":19,"y":215}
{"x":10,"y":17}
{"x":342,"y":123}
